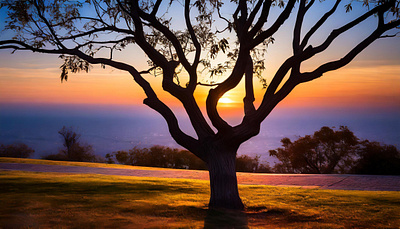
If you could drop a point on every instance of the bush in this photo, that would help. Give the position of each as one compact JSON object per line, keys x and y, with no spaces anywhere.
{"x":165,"y":157}
{"x":378,"y":159}
{"x":157,"y":156}
{"x":246,"y":163}
{"x":18,"y":150}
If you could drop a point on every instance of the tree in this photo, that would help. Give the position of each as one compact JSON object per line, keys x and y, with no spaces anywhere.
{"x":19,"y":150}
{"x":80,"y":32}
{"x":327,"y":151}
{"x":74,"y":150}
{"x":377,"y":159}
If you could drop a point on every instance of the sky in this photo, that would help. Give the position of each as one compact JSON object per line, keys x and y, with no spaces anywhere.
{"x":369,"y":85}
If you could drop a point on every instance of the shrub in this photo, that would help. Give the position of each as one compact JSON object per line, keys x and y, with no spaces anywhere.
{"x":19,"y":150}
{"x":376,"y":158}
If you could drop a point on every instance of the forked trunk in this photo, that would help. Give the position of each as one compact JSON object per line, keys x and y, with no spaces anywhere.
{"x":223,"y":181}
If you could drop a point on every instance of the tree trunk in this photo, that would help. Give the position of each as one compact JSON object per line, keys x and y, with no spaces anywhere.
{"x":223,"y":181}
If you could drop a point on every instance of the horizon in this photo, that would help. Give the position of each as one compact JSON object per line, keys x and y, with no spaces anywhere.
{"x":126,"y":127}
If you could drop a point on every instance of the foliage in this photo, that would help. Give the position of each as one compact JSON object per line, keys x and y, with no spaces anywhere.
{"x":326,"y":151}
{"x":245,"y":163}
{"x":74,"y":150}
{"x":340,"y":151}
{"x":18,"y":150}
{"x":165,"y":157}
{"x":159,"y":156}
{"x":375,"y":158}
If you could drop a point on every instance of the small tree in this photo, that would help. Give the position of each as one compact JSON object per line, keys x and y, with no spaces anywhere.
{"x":18,"y":150}
{"x":74,"y":150}
{"x":122,"y":157}
{"x":327,"y":151}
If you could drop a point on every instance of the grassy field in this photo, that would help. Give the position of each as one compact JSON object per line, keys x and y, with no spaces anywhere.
{"x":73,"y":163}
{"x":54,"y":200}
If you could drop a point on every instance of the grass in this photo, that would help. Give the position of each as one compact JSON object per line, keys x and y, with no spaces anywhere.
{"x":73,"y":163}
{"x":56,"y":200}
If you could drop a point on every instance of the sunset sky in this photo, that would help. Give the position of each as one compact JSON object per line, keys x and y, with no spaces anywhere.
{"x":371,"y":83}
{"x":35,"y":78}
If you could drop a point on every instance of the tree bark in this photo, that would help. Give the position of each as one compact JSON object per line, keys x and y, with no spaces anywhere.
{"x":223,"y":180}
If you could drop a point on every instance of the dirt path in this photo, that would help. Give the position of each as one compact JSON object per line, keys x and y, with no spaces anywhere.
{"x":343,"y":182}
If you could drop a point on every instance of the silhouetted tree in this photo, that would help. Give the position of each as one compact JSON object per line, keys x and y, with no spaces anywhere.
{"x":122,"y":157}
{"x":377,"y":159}
{"x":18,"y":150}
{"x":78,"y":30}
{"x":327,"y":151}
{"x":109,"y":158}
{"x":74,"y":150}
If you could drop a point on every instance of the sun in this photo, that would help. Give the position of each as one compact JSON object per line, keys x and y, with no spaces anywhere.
{"x":225,"y":100}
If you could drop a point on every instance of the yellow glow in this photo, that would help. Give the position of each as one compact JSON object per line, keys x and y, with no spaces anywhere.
{"x":225,"y":100}
{"x":359,"y":85}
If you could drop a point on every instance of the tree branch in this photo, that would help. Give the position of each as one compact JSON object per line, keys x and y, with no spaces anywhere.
{"x":253,"y":14}
{"x":248,"y":100}
{"x":335,"y":33}
{"x":278,"y":23}
{"x":167,"y":33}
{"x":297,"y":27}
{"x":318,"y":25}
{"x":262,"y":19}
{"x":308,"y":76}
{"x":155,"y":9}
{"x":192,"y":70}
{"x":46,"y":22}
{"x":96,"y":30}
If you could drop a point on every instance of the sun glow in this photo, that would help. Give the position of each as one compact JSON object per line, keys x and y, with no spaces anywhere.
{"x":225,"y":100}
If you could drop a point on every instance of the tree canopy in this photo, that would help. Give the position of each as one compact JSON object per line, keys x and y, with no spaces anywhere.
{"x":326,"y":151}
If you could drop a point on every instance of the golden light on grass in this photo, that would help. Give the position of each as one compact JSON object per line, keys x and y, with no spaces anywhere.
{"x":48,"y":200}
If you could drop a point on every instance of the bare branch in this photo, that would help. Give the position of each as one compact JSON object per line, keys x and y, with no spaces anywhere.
{"x":97,"y":30}
{"x":308,"y":53}
{"x":297,"y":28}
{"x":262,"y":19}
{"x":318,"y":25}
{"x":248,"y":100}
{"x":308,"y":76}
{"x":156,"y":6}
{"x":278,"y":23}
{"x":192,"y":70}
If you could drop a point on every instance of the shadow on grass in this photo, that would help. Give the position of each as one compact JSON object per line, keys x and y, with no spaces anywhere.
{"x":280,"y":216}
{"x":35,"y":186}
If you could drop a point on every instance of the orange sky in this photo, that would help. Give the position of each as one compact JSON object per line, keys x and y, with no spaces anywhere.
{"x":372,"y":80}
{"x":358,"y":85}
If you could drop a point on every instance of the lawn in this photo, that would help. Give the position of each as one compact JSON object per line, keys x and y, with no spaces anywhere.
{"x":54,"y":200}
